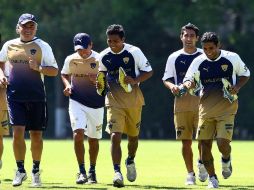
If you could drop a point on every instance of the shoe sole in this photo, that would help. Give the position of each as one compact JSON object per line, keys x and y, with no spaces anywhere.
{"x":118,"y":183}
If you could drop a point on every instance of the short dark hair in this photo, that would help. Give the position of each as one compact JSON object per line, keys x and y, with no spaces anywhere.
{"x":115,"y":29}
{"x":190,"y":26}
{"x":210,"y":37}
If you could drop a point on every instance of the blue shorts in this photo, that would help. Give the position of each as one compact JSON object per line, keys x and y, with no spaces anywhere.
{"x":32,"y":115}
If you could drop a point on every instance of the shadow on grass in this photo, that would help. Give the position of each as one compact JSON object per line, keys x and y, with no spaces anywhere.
{"x":238,"y":187}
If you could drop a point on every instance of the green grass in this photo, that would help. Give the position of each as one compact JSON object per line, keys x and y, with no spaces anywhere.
{"x":159,"y":166}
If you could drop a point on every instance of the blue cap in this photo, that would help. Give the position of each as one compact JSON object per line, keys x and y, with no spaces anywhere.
{"x":81,"y":41}
{"x":26,"y":17}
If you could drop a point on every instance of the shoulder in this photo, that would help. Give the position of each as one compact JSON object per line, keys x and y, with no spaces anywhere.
{"x":71,"y":56}
{"x":132,"y":49}
{"x":175,"y":54}
{"x":95,"y":54}
{"x":229,"y":54}
{"x":44,"y":45}
{"x":104,"y":52}
{"x":13,"y":41}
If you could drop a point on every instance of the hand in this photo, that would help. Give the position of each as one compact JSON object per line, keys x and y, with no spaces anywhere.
{"x":3,"y":82}
{"x":130,"y":80}
{"x":234,"y":89}
{"x":33,"y":64}
{"x":175,"y":90}
{"x":189,"y":84}
{"x":92,"y":78}
{"x":67,"y":90}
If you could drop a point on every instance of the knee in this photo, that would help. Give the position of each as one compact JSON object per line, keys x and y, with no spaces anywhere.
{"x":78,"y":136}
{"x":223,"y":145}
{"x":133,"y":140}
{"x":36,"y":136}
{"x":116,"y":138}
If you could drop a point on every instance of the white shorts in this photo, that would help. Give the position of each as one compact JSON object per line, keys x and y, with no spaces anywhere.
{"x":89,"y":119}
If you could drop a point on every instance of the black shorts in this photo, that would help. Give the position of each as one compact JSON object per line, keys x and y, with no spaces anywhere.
{"x":32,"y":115}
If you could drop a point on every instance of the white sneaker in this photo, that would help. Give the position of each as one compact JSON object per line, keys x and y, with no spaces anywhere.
{"x":81,"y":178}
{"x":131,"y":171}
{"x":118,"y":180}
{"x":213,"y":183}
{"x":19,"y":178}
{"x":191,"y":179}
{"x":226,"y":169}
{"x":36,"y":179}
{"x":202,"y":173}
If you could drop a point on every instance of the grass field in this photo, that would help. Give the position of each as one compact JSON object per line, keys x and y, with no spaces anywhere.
{"x":159,"y":166}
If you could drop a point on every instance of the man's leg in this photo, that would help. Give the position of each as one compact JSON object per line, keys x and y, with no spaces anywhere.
{"x":130,"y":164}
{"x":225,"y":149}
{"x":1,"y":149}
{"x":78,"y":137}
{"x":202,"y":173}
{"x":116,"y":154}
{"x":207,"y":159}
{"x":19,"y":149}
{"x":93,"y":154}
{"x":187,"y":155}
{"x":188,"y":160}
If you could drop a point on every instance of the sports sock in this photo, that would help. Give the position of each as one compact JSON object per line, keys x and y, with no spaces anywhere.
{"x":36,"y":166}
{"x":92,"y":168}
{"x":117,"y":168}
{"x":20,"y":165}
{"x":225,"y":160}
{"x":82,"y":168}
{"x":130,"y":160}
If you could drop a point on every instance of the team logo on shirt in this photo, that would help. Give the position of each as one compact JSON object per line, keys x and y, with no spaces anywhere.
{"x":33,"y":51}
{"x":126,"y":60}
{"x":224,"y":67}
{"x":93,"y":65}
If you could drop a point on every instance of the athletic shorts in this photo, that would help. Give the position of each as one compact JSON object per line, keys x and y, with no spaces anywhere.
{"x":186,"y":124}
{"x":124,"y":120}
{"x":89,"y":119}
{"x":219,"y":127}
{"x":32,"y":115}
{"x":4,"y":125}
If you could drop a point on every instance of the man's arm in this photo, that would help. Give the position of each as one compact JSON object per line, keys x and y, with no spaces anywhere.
{"x":67,"y":85}
{"x":242,"y":80}
{"x":171,"y":86}
{"x":45,"y":70}
{"x":141,"y":78}
{"x":3,"y":79}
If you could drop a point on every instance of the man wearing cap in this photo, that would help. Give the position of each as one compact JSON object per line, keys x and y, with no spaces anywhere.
{"x":86,"y":107}
{"x":27,"y":59}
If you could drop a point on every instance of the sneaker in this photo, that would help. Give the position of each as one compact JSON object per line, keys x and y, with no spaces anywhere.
{"x":36,"y":179}
{"x":131,"y":171}
{"x":81,"y":178}
{"x":118,"y":180}
{"x":19,"y":178}
{"x":202,"y":173}
{"x":191,"y":179}
{"x":226,"y":169}
{"x":213,"y":183}
{"x":101,"y":84}
{"x":91,"y":178}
